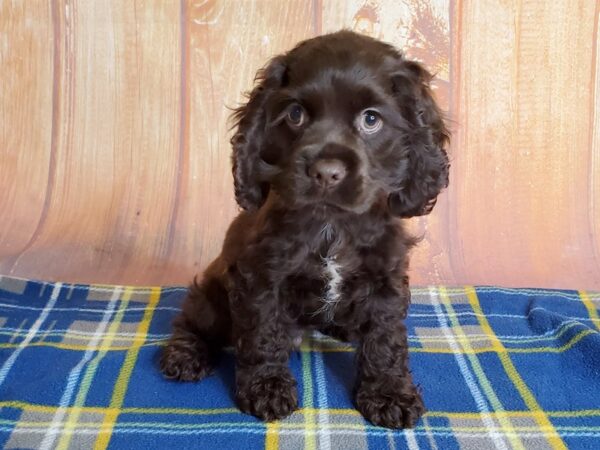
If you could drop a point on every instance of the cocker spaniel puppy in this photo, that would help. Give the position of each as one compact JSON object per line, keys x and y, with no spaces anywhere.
{"x":340,"y":137}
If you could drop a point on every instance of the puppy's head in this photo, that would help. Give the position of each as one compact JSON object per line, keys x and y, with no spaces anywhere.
{"x":341,"y":120}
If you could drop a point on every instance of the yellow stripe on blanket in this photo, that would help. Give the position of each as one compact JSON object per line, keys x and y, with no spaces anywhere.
{"x":484,"y":382}
{"x":539,"y":415}
{"x":592,"y":312}
{"x":118,"y":396}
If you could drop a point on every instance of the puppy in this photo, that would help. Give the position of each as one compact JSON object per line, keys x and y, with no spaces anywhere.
{"x":340,"y":137}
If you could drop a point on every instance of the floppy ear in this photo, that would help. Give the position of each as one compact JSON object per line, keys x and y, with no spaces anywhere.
{"x":428,"y":165}
{"x":249,"y":122}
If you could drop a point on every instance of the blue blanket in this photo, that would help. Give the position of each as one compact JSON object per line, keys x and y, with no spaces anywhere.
{"x":499,"y":368}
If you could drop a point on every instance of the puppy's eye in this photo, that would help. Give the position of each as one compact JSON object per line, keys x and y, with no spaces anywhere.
{"x":370,"y":121}
{"x":296,"y":115}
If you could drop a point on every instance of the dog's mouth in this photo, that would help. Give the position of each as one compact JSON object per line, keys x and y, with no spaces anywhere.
{"x":353,"y":198}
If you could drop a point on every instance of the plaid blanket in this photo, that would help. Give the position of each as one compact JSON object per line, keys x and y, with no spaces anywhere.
{"x":499,"y":368}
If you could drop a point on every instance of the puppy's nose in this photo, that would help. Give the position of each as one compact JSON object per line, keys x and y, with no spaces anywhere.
{"x":327,"y":172}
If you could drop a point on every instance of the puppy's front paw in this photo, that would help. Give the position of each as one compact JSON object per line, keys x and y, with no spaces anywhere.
{"x":268,"y":396}
{"x":184,"y":362}
{"x":381,"y":406}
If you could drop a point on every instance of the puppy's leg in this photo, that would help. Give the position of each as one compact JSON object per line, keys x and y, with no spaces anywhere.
{"x":200,"y":330}
{"x":265,"y":385}
{"x":385,"y":392}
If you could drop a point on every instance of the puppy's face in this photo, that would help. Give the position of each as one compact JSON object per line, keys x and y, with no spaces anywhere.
{"x":334,"y":131}
{"x":341,"y":120}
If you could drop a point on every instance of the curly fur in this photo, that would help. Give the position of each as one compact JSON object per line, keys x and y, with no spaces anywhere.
{"x":303,"y":256}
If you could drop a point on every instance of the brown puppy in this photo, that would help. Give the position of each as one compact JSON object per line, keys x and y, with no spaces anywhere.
{"x":340,"y":137}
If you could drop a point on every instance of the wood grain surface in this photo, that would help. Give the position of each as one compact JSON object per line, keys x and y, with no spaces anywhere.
{"x":114,"y":133}
{"x":523,"y":173}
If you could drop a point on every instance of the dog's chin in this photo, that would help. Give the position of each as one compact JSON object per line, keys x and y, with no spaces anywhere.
{"x":323,"y":202}
{"x":327,"y":204}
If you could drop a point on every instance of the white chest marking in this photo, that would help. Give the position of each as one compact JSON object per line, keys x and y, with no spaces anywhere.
{"x":332,"y":272}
